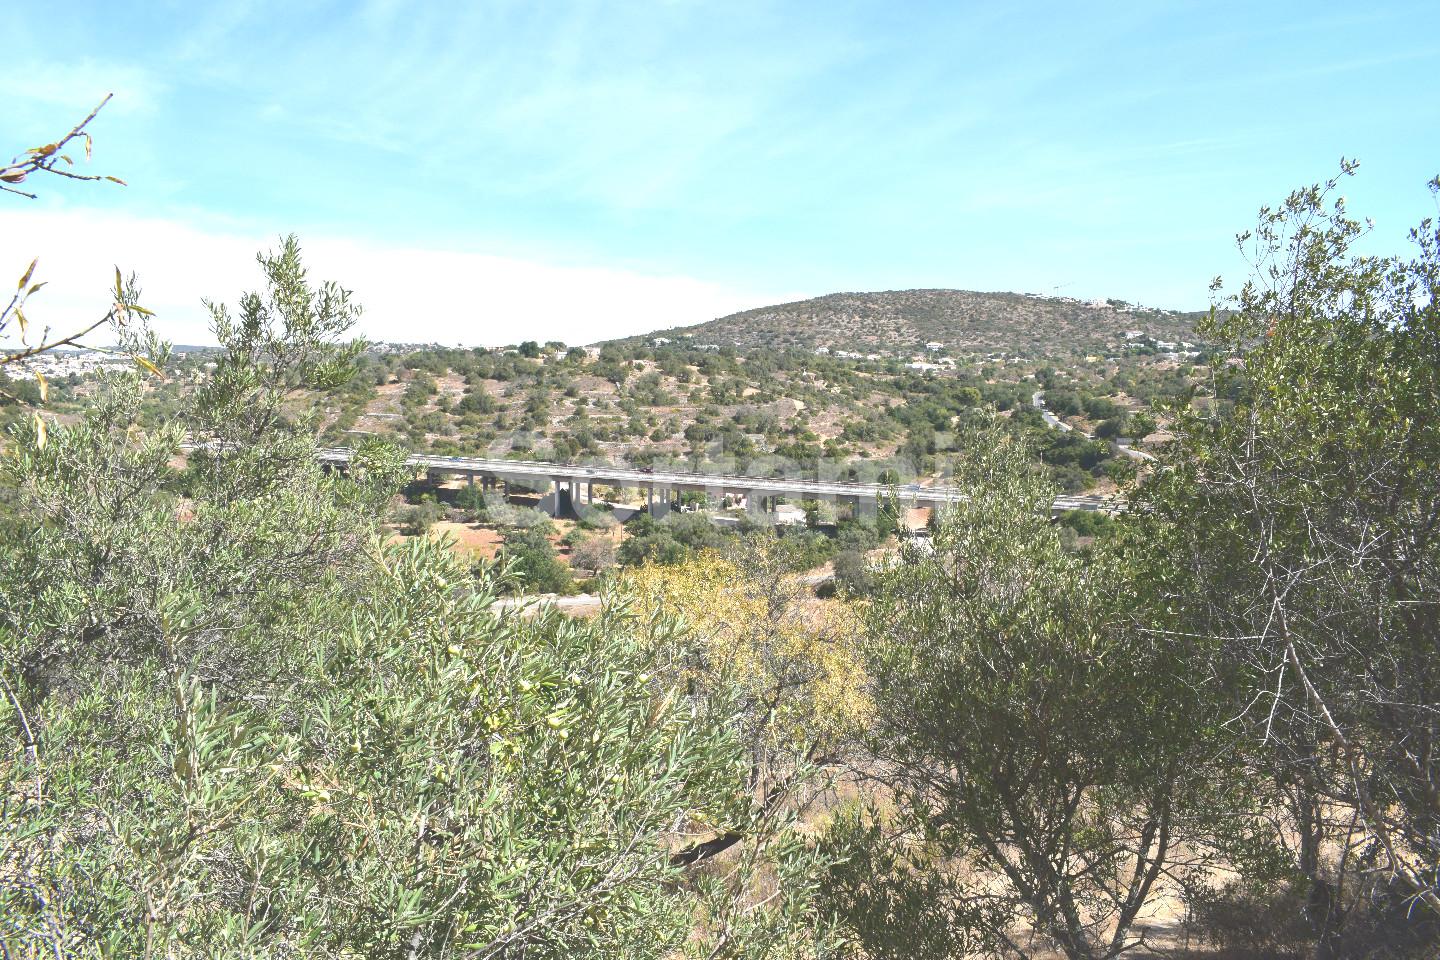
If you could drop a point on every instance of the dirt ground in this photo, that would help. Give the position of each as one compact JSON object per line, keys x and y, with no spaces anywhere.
{"x":481,"y":541}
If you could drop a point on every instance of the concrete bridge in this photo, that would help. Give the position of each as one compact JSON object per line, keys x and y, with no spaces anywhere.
{"x":568,"y":486}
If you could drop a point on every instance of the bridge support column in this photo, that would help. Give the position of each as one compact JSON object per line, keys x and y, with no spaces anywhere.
{"x":552,"y":497}
{"x":867,"y":508}
{"x":658,"y":501}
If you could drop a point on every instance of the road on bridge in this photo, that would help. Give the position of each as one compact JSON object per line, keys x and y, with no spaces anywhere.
{"x":540,"y":474}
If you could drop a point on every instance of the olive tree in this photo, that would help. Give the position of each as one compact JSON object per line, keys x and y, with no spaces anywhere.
{"x":110,"y":550}
{"x":237,"y":724}
{"x":54,"y":160}
{"x":1038,"y":751}
{"x":1302,"y":519}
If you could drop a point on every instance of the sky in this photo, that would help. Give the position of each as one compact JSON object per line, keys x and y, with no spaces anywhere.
{"x":484,"y":173}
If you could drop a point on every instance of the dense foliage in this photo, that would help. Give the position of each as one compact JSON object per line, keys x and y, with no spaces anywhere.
{"x":1038,"y":746}
{"x":242,"y":727}
{"x":1300,"y":530}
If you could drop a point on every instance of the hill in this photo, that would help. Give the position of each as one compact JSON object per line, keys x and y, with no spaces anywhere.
{"x":962,"y":320}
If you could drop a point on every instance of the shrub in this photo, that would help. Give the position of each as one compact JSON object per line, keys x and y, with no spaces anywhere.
{"x":852,"y":573}
{"x":247,"y":729}
{"x":418,"y":519}
{"x":593,"y":554}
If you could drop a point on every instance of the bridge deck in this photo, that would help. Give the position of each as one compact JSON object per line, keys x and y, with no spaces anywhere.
{"x":715,"y":484}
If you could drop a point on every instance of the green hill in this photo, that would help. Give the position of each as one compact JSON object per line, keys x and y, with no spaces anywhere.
{"x":962,"y":320}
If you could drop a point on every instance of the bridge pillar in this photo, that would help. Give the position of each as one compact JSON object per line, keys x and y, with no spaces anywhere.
{"x":553,"y":497}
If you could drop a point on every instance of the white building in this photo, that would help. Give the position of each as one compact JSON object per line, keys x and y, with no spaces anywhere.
{"x":788,"y":514}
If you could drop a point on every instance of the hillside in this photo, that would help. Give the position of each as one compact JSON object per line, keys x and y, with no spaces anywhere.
{"x":963,"y":320}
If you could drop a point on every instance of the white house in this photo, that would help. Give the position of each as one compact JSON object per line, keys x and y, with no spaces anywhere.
{"x":788,"y":514}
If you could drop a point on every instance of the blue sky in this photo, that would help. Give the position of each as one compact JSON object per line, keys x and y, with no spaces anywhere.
{"x":693,"y":158}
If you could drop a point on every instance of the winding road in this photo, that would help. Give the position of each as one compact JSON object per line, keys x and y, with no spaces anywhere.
{"x":1038,"y":399}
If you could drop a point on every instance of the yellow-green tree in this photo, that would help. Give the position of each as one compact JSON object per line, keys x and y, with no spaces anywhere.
{"x":749,"y":624}
{"x":747,"y":639}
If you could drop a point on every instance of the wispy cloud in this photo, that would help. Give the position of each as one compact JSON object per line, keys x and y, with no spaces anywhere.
{"x":850,"y":145}
{"x":65,"y":86}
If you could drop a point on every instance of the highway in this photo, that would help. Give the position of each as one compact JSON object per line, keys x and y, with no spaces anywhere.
{"x":540,"y":474}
